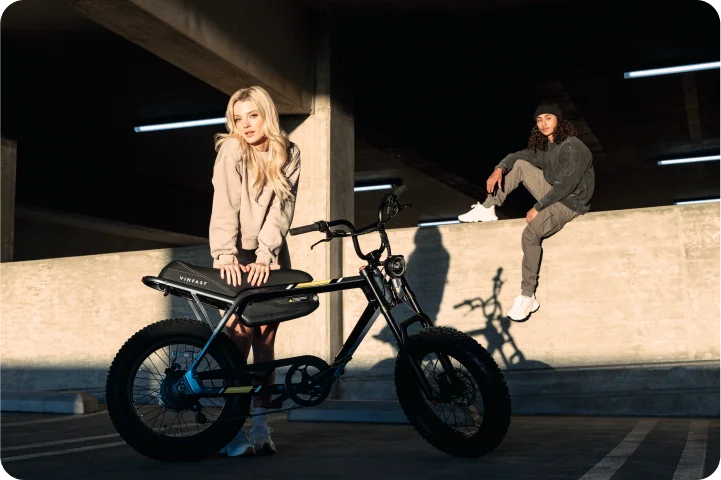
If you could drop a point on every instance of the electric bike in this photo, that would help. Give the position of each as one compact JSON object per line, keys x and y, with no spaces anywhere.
{"x":180,"y":390}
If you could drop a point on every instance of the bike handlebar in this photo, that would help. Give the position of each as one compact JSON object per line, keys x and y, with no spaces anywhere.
{"x":314,"y":227}
{"x":322,"y":226}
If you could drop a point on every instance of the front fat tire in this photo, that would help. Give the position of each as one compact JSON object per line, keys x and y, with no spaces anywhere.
{"x":486,"y":374}
{"x":119,"y":391}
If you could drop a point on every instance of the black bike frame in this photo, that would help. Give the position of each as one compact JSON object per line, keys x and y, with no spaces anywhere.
{"x":377,"y":303}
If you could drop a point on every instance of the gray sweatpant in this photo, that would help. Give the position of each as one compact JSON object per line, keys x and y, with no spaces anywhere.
{"x":548,"y":221}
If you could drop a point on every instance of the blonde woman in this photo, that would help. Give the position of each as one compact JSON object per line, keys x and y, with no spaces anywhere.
{"x":255,"y":181}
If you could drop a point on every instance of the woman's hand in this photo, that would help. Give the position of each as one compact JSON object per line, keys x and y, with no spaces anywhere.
{"x":258,"y":275}
{"x":231,"y":271}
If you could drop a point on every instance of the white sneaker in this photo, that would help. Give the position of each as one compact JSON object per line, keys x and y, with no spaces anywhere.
{"x":240,"y":445}
{"x":479,"y":213}
{"x":523,"y":307}
{"x":260,"y":435}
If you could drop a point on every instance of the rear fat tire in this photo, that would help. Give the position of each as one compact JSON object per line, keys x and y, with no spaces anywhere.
{"x":119,"y":390}
{"x":486,"y":374}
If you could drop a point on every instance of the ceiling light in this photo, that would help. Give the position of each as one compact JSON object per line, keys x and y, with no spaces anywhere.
{"x":370,"y":188}
{"x":689,"y":160}
{"x":666,"y":71}
{"x":439,"y":222}
{"x":170,"y":126}
{"x":690,"y":202}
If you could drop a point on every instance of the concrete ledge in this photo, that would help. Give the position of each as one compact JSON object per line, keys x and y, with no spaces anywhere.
{"x":48,"y":402}
{"x":688,"y":389}
{"x":353,"y":411}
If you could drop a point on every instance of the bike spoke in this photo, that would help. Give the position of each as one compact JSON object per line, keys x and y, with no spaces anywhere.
{"x":148,"y":388}
{"x":459,"y":391}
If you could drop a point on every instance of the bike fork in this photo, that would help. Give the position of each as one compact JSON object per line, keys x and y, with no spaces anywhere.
{"x":383,"y":306}
{"x":426,"y":322}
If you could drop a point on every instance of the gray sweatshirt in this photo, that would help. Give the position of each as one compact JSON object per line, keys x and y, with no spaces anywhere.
{"x":238,"y":220}
{"x":567,"y":167}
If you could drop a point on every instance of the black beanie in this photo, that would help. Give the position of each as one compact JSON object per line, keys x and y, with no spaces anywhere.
{"x":551,"y":108}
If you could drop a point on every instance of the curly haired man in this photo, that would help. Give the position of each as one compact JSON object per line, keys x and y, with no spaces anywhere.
{"x":557,"y":169}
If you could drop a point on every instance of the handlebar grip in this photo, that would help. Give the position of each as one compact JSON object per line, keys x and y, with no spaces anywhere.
{"x":315,"y":227}
{"x":399,"y":191}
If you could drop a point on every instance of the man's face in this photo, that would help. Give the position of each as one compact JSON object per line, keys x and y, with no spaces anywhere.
{"x":546,"y":123}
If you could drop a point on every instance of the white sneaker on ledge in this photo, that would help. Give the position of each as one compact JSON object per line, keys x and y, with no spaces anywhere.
{"x":479,"y":213}
{"x":523,"y":307}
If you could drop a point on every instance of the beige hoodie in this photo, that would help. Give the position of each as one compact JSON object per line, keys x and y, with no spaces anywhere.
{"x":240,"y":221}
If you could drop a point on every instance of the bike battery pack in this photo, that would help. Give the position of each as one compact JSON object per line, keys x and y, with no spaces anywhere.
{"x":279,"y":309}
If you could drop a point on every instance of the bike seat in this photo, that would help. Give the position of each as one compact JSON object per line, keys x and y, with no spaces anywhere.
{"x":208,"y":278}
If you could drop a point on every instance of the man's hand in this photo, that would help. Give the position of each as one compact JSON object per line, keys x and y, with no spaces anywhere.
{"x":258,"y":275}
{"x":532,"y":213}
{"x":494,"y":179}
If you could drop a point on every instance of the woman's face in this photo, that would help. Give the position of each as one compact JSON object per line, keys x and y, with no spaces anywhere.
{"x":249,"y":122}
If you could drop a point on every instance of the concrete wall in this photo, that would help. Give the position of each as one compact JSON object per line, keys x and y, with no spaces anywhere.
{"x":64,"y":319}
{"x":629,"y":318}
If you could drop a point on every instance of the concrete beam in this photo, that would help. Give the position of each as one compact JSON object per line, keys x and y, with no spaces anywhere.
{"x":108,"y":227}
{"x":8,"y":162}
{"x":690,"y":96}
{"x":228,"y":44}
{"x":416,"y":161}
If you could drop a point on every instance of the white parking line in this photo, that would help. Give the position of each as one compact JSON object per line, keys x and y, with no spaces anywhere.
{"x":690,"y":467}
{"x":58,"y":442}
{"x":48,"y":420}
{"x":61,"y":452}
{"x":605,"y":469}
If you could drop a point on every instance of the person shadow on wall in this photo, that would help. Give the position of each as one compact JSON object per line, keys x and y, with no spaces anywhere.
{"x":426,"y":272}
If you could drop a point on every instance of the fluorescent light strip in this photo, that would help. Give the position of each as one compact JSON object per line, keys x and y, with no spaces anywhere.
{"x":670,"y":70}
{"x":689,"y":160}
{"x":170,"y":126}
{"x":690,"y":202}
{"x":440,"y":222}
{"x":370,"y":188}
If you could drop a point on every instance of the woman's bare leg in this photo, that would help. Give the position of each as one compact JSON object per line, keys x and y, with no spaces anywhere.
{"x":263,"y":341}
{"x":240,"y":334}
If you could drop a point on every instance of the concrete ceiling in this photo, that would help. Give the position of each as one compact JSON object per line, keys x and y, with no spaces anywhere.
{"x":442,"y":91}
{"x":459,"y":89}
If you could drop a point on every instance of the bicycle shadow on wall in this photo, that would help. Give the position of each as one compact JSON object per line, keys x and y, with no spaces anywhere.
{"x":496,"y":331}
{"x":427,"y":271}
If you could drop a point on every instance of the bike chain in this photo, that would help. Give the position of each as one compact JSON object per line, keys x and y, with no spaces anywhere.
{"x":250,"y":415}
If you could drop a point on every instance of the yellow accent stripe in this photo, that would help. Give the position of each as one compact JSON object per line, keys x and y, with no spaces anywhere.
{"x":238,"y":389}
{"x":312,"y":284}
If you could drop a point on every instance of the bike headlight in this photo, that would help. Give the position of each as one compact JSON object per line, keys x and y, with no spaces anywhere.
{"x":395,"y":266}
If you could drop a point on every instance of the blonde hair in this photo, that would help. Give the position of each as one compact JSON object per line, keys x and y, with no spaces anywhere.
{"x":271,"y":172}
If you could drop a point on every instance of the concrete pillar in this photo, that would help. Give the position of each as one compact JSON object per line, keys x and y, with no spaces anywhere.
{"x":8,"y":161}
{"x":325,"y":192}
